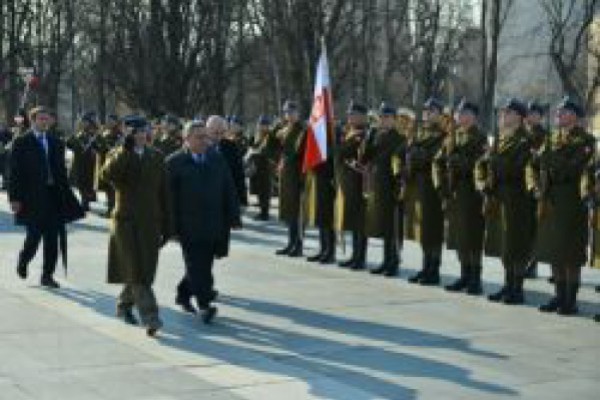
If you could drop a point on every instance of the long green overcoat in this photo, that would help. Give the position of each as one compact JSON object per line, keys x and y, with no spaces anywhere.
{"x":140,"y":217}
{"x":291,"y":137}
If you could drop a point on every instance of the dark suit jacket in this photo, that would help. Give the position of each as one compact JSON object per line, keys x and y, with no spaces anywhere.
{"x":203,"y":199}
{"x":235,"y":160}
{"x":29,"y":175}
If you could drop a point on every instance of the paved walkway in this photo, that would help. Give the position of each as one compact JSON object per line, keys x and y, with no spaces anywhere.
{"x":286,"y":330}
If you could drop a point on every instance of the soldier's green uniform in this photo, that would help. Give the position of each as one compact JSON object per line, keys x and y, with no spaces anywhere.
{"x":381,"y":202}
{"x":319,"y":196}
{"x":565,"y":217}
{"x":291,"y":138}
{"x":427,"y":223}
{"x":349,"y":201}
{"x":464,"y":203}
{"x":507,"y":207}
{"x":262,"y":160}
{"x":85,"y":146}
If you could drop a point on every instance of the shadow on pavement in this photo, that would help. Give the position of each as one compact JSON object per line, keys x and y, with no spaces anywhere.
{"x":308,"y":357}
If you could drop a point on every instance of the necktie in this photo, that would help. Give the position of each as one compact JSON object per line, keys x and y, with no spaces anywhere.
{"x":44,"y":143}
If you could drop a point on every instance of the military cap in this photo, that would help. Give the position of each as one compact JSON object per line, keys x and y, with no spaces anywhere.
{"x":571,"y":105}
{"x":433,"y":104}
{"x":468,"y":107}
{"x":356,"y":108}
{"x":535,"y":108}
{"x":135,"y":122}
{"x":234,"y":119}
{"x":290,"y":106}
{"x":264,"y":120}
{"x":515,"y":105}
{"x":387,"y":109}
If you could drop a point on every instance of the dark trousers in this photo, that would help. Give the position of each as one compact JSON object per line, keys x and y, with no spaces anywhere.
{"x":198,"y":280}
{"x":264,"y":202}
{"x":46,"y":231}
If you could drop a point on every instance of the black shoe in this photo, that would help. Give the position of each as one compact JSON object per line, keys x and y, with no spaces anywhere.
{"x":153,"y":329}
{"x":295,"y":252}
{"x":391,"y":272}
{"x":186,"y":305}
{"x":597,"y":289}
{"x":430,"y":279}
{"x":458,"y":286}
{"x":474,"y":289}
{"x":551,"y":280}
{"x":284,"y":251}
{"x":314,"y":258}
{"x":379,"y":270}
{"x":597,"y":317}
{"x":22,"y":271}
{"x":514,"y":298}
{"x":499,"y":295}
{"x":209,"y":314}
{"x":128,"y":317}
{"x":261,"y":217}
{"x":327,"y":258}
{"x":347,"y":263}
{"x":49,"y":282}
{"x":551,"y":306}
{"x":417,"y":277}
{"x":358,"y":266}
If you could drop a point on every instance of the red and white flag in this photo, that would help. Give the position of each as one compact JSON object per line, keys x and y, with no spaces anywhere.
{"x":320,"y":126}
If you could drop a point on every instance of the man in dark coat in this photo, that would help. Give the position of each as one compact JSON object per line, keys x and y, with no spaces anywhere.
{"x":5,"y":139}
{"x":204,"y":208}
{"x":140,"y":222}
{"x":39,"y":193}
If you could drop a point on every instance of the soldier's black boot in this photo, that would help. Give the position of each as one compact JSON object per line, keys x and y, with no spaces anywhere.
{"x":416,"y":278}
{"x":531,"y":271}
{"x":432,"y":274}
{"x":597,"y":289}
{"x":386,"y":259}
{"x":328,"y":256}
{"x":290,"y":243}
{"x":474,"y":285}
{"x":392,"y":263}
{"x":516,"y":295}
{"x":569,"y":305}
{"x":349,"y":262}
{"x":597,"y":317}
{"x":461,"y":283}
{"x":361,"y":256}
{"x":555,"y":302}
{"x":296,"y":249}
{"x":504,"y":291}
{"x":322,"y":247}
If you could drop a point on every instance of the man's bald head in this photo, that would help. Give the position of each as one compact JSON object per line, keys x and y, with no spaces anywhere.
{"x":216,"y":125}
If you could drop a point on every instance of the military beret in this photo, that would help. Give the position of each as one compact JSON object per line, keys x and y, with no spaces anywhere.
{"x":385,"y":109}
{"x":135,"y":121}
{"x":515,"y":105}
{"x":535,"y":108}
{"x":356,"y":108}
{"x":264,"y":120}
{"x":571,"y":105}
{"x":290,"y":106}
{"x":433,"y":104}
{"x":466,"y":106}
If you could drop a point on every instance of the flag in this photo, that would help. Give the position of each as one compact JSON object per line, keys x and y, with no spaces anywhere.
{"x":320,"y":126}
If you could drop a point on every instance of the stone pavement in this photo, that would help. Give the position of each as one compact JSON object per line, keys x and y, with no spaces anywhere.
{"x":286,"y":329}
